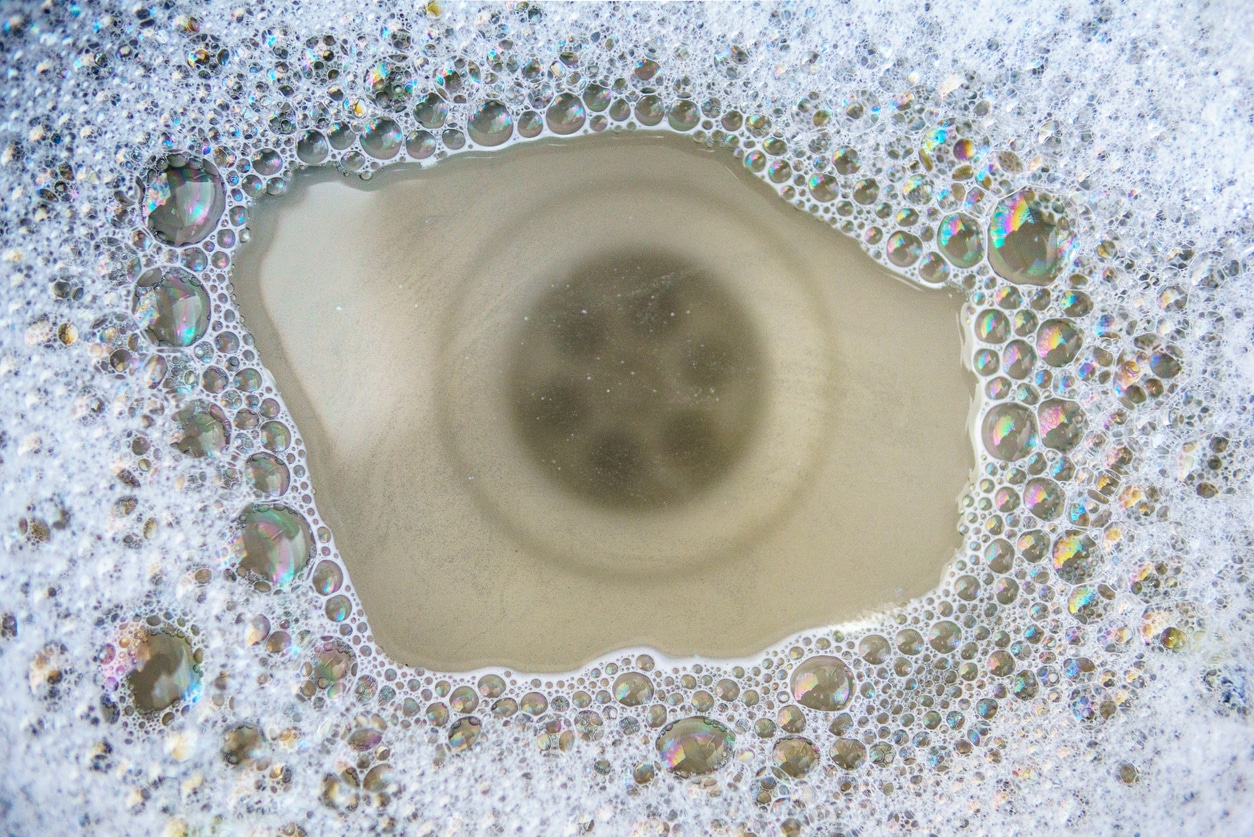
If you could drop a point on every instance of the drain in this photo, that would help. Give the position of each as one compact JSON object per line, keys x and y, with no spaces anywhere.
{"x":636,"y":381}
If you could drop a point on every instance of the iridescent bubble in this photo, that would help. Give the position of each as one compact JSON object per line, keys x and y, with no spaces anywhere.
{"x":945,"y":636}
{"x":934,"y":270}
{"x":848,"y":753}
{"x":1058,"y":342}
{"x":533,"y":703}
{"x":649,"y":110}
{"x":463,"y":700}
{"x":565,"y":115}
{"x":823,"y":187}
{"x":1008,"y":431}
{"x":795,"y":756}
{"x":463,"y":734}
{"x":596,"y":97}
{"x":909,"y":641}
{"x":333,"y":665}
{"x":694,"y":746}
{"x":275,"y":436}
{"x":420,"y":146}
{"x":327,"y":577}
{"x":1017,"y":359}
{"x":491,"y":685}
{"x":201,"y":429}
{"x":490,"y":124}
{"x":171,"y":306}
{"x":383,"y":139}
{"x":1001,"y":663}
{"x":164,"y":670}
{"x":875,"y":649}
{"x":1043,"y":498}
{"x":589,"y":725}
{"x":1030,"y":240}
{"x":823,"y":683}
{"x":432,"y":111}
{"x":992,"y":326}
{"x":364,"y":738}
{"x":274,"y":543}
{"x":1061,"y":423}
{"x":1024,"y":685}
{"x":683,"y":115}
{"x":633,"y":689}
{"x":999,"y":555}
{"x":338,"y":608}
{"x":1033,"y":545}
{"x":529,"y":124}
{"x":267,"y":162}
{"x":267,"y":474}
{"x":866,"y":191}
{"x":1086,"y":603}
{"x":846,"y":160}
{"x":960,"y":240}
{"x":242,"y":743}
{"x":903,"y":248}
{"x":1075,"y":556}
{"x":183,"y":202}
{"x":313,"y":148}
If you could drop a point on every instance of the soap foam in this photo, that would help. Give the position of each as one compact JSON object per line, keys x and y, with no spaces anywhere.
{"x":1127,"y":703}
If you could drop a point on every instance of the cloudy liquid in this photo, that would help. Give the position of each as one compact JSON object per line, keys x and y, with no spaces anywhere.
{"x":583,"y":396}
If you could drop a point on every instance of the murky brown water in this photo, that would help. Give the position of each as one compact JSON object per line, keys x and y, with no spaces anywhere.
{"x":576,"y":397}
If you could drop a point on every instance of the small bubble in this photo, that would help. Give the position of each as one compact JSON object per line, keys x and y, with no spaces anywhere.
{"x":694,"y":746}
{"x":795,"y":756}
{"x":1009,"y":431}
{"x":565,"y":115}
{"x":183,"y":201}
{"x":1030,"y":241}
{"x":633,"y":689}
{"x":274,"y":543}
{"x":490,"y":124}
{"x":172,"y":306}
{"x":164,"y":670}
{"x":201,"y":429}
{"x":823,"y":683}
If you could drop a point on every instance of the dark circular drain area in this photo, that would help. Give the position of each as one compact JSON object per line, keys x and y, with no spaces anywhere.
{"x":637,"y":380}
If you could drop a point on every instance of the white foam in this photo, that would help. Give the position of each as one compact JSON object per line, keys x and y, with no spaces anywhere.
{"x":1138,"y":116}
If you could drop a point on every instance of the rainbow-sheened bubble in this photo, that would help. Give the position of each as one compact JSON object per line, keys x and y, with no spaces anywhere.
{"x":694,"y":746}
{"x":1009,"y":431}
{"x":1029,"y":242}
{"x":172,"y":306}
{"x":183,"y":202}
{"x":274,"y":544}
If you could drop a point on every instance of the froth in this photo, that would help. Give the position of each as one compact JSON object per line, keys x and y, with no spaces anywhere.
{"x":181,"y":643}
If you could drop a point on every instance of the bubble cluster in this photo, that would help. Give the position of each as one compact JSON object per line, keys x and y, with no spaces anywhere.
{"x":182,"y":638}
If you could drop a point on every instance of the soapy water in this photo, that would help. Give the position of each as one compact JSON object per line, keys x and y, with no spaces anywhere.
{"x":183,"y":648}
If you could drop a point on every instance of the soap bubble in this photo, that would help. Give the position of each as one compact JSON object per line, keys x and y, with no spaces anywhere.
{"x":960,"y":240}
{"x":164,"y":669}
{"x":1030,"y":240}
{"x":565,"y":115}
{"x":795,"y":756}
{"x":823,"y":683}
{"x":172,"y":306}
{"x":183,"y":201}
{"x":490,"y":124}
{"x":1061,"y":423}
{"x":1058,"y":342}
{"x":267,"y":474}
{"x":201,"y":429}
{"x":694,"y":746}
{"x":1008,"y":431}
{"x":274,"y":544}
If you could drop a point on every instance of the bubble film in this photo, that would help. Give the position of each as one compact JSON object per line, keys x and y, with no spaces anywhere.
{"x":183,"y":649}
